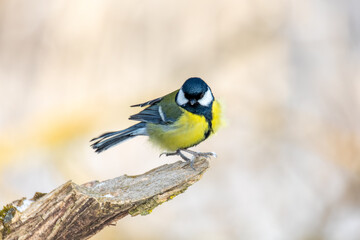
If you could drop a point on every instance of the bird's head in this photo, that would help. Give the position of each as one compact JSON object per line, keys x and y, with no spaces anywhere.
{"x":194,"y":92}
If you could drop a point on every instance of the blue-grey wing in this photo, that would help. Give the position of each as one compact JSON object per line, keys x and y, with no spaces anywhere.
{"x":163,"y":110}
{"x":152,"y":114}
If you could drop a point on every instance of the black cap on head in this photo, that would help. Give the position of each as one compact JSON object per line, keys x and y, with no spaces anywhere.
{"x":194,"y":88}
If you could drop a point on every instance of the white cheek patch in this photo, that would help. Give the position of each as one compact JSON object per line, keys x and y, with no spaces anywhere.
{"x":181,"y":99}
{"x":207,"y":99}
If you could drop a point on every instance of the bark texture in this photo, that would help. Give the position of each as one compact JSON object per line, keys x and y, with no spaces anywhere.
{"x":74,"y":211}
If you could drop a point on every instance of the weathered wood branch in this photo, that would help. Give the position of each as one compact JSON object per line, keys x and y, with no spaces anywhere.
{"x":74,"y":211}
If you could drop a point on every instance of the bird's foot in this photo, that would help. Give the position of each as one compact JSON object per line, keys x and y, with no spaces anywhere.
{"x":169,"y":154}
{"x":178,"y":152}
{"x":193,"y":153}
{"x":200,"y":154}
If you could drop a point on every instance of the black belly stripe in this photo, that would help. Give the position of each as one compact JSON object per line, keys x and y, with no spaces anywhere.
{"x":209,"y":130}
{"x":207,"y":134}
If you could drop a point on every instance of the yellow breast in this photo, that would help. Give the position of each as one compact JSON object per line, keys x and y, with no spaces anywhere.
{"x":217,"y":120}
{"x":186,"y":132}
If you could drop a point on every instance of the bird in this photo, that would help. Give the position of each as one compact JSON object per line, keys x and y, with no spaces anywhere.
{"x":175,"y":122}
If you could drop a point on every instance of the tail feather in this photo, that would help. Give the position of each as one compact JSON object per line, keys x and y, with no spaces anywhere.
{"x":111,"y":139}
{"x":105,"y":135}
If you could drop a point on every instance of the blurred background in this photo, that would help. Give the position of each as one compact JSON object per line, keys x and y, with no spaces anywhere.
{"x":287,"y":72}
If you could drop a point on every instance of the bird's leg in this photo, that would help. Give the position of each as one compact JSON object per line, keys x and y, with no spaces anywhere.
{"x":200,"y":154}
{"x":193,"y":153}
{"x":178,"y":152}
{"x":188,"y":160}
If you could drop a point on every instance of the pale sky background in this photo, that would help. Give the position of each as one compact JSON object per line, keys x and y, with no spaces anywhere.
{"x":287,"y":72}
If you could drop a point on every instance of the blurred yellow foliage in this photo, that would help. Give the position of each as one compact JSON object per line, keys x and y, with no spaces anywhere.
{"x":60,"y":130}
{"x":7,"y":152}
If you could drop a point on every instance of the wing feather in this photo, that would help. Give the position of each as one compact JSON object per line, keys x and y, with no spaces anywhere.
{"x":151,"y":102}
{"x":150,"y":114}
{"x":163,"y":110}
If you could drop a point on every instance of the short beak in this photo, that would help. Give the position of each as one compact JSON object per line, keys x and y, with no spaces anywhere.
{"x":192,"y":101}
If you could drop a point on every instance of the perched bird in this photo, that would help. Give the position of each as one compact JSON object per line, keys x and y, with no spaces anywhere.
{"x":175,"y":122}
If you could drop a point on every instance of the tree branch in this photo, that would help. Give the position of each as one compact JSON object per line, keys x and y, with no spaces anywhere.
{"x":74,"y":211}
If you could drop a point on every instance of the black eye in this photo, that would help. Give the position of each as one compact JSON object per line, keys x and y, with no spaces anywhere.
{"x":201,"y":95}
